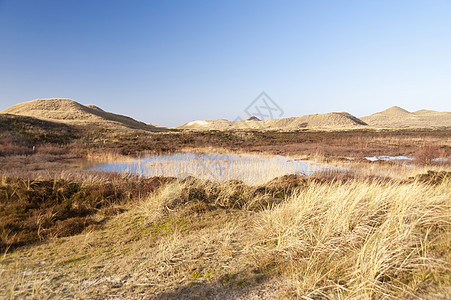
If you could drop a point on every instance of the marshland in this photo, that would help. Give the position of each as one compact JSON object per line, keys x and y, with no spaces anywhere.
{"x":357,"y":229}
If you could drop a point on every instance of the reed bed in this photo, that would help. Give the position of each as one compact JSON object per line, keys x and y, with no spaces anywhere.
{"x":251,"y":169}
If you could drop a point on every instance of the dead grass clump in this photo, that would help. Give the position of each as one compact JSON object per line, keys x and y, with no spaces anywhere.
{"x":199,"y":196}
{"x":194,"y":195}
{"x":357,"y":239}
{"x":433,"y":177}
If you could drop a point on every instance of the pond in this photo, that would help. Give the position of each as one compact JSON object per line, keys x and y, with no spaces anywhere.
{"x":252,"y":169}
{"x":403,"y":158}
{"x":386,"y":157}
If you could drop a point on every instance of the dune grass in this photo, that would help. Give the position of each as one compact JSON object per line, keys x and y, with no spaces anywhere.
{"x":290,"y":238}
{"x":363,"y":240}
{"x":377,"y":230}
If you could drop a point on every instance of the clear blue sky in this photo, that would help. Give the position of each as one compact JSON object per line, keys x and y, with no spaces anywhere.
{"x":170,"y":62}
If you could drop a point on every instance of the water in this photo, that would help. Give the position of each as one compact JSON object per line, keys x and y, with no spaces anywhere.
{"x":402,"y":158}
{"x":386,"y":157}
{"x":249,"y":168}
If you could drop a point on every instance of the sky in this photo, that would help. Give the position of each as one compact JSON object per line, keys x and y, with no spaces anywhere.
{"x":170,"y":62}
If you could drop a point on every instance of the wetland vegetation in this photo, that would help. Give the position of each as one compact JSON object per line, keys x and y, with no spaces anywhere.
{"x":373,"y":229}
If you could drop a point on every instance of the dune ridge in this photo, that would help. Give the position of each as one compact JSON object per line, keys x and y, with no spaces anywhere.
{"x":397,"y":117}
{"x":72,"y":112}
{"x":327,"y":121}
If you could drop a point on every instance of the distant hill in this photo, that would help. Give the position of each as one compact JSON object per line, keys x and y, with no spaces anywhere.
{"x":334,"y":120}
{"x":397,"y":117}
{"x":70,"y":112}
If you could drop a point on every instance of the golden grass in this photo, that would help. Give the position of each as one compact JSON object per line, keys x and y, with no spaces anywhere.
{"x":93,"y":155}
{"x":357,"y":239}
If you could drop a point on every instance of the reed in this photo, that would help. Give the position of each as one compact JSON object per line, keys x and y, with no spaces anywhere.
{"x":251,"y":169}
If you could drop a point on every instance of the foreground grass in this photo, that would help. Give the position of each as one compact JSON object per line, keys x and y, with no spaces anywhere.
{"x":360,"y":239}
{"x":37,"y":210}
{"x":294,"y":237}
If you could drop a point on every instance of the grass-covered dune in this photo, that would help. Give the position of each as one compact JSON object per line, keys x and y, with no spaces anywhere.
{"x":343,"y":238}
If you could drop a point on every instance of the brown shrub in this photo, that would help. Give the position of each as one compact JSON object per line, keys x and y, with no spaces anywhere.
{"x":35,"y":210}
{"x":426,"y":154}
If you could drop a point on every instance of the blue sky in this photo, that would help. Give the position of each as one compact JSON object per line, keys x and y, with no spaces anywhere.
{"x":170,"y":62}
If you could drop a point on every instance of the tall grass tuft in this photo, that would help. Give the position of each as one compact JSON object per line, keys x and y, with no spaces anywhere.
{"x":357,"y":240}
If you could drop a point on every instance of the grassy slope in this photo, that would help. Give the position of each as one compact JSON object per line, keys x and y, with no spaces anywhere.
{"x":353,"y":239}
{"x":396,"y":117}
{"x":29,"y":130}
{"x":71,"y":112}
{"x":334,"y":120}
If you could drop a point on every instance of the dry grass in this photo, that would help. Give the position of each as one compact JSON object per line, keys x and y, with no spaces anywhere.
{"x":353,"y":239}
{"x":37,"y":210}
{"x":367,"y":233}
{"x":359,"y":240}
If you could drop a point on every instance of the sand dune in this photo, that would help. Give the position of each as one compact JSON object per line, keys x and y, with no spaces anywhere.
{"x":69,"y":111}
{"x":393,"y":117}
{"x":328,"y":121}
{"x":397,"y":117}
